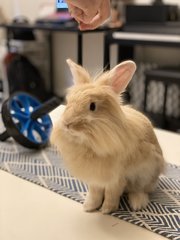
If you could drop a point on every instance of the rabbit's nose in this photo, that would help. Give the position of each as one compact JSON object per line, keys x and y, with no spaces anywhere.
{"x":67,"y":124}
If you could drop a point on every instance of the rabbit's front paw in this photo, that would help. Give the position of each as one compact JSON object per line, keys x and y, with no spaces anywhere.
{"x":109,"y":207}
{"x":91,"y":204}
{"x":138,"y":200}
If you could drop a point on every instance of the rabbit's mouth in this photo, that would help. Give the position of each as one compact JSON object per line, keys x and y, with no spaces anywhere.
{"x":74,"y":128}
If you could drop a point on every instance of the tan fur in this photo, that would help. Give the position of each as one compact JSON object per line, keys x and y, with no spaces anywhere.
{"x":112,"y":149}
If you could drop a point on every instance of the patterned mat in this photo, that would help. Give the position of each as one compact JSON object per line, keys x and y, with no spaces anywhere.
{"x":46,"y":168}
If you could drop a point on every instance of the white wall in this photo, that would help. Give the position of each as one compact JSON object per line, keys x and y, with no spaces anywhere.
{"x":28,"y":8}
{"x":65,"y":46}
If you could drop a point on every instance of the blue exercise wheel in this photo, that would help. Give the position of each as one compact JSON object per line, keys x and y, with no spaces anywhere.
{"x":26,"y":119}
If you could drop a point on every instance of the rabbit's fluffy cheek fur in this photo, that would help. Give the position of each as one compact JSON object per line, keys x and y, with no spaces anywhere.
{"x":93,"y":128}
{"x":95,"y":132}
{"x":73,"y":130}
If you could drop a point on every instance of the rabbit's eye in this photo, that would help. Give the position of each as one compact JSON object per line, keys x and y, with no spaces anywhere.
{"x":92,"y":106}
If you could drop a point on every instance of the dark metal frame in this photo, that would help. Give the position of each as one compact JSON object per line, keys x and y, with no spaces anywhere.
{"x":49,"y":29}
{"x":126,"y":47}
{"x":126,"y":51}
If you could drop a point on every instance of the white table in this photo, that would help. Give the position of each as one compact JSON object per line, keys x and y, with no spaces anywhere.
{"x":28,"y":211}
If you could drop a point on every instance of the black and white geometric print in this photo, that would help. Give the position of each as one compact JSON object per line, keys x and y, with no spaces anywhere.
{"x":45,"y":167}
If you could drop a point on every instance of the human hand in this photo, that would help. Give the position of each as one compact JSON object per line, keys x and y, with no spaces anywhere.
{"x":90,"y":14}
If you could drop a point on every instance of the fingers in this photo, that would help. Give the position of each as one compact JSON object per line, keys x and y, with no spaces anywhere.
{"x":82,"y":13}
{"x":96,"y":22}
{"x":100,"y":17}
{"x":89,"y":14}
{"x":75,"y":12}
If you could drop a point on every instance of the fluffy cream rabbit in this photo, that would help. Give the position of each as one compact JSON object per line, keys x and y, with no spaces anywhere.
{"x":109,"y":146}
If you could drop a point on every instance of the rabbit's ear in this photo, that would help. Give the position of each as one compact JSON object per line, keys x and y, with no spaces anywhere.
{"x":121,"y":75}
{"x":80,"y":75}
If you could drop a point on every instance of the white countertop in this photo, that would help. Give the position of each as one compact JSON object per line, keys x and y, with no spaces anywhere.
{"x":28,"y":211}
